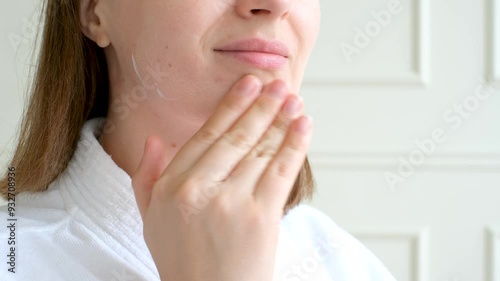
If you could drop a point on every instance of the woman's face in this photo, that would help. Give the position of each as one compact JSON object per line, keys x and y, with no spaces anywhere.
{"x":187,"y":53}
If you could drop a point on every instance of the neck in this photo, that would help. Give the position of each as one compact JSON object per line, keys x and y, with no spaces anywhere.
{"x":124,"y":138}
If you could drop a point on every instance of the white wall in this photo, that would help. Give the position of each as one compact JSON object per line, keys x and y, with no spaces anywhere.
{"x":371,"y":107}
{"x":443,"y":222}
{"x":18,"y":24}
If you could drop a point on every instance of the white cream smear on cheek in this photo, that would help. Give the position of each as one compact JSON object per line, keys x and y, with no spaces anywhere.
{"x":139,"y":76}
{"x":197,"y":90}
{"x":196,"y":93}
{"x":160,"y":94}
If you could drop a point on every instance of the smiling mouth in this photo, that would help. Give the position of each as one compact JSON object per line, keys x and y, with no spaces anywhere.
{"x":258,"y":59}
{"x":257,"y":52}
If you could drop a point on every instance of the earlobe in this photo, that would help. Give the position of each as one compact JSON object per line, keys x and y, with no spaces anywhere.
{"x":102,"y":41}
{"x":91,"y":23}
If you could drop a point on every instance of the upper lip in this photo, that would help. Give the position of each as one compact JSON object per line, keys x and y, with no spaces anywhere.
{"x":256,"y":45}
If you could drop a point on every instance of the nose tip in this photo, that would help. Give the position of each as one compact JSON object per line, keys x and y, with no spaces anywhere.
{"x":269,"y":8}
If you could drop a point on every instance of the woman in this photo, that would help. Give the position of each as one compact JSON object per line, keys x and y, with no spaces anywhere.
{"x":199,"y":167}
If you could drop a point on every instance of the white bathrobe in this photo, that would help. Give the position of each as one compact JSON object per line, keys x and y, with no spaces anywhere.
{"x":87,"y":226}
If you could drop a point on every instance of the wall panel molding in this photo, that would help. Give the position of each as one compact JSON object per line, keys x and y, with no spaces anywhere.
{"x":466,"y":162}
{"x":493,"y":253}
{"x":419,"y":75}
{"x":493,"y":41}
{"x":416,"y":238}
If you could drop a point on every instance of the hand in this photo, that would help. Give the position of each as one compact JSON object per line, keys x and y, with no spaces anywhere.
{"x":213,"y":213}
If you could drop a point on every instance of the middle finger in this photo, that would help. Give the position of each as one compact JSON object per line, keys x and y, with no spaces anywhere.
{"x":220,"y":159}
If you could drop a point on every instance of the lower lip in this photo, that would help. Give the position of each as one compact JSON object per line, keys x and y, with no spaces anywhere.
{"x":258,"y":59}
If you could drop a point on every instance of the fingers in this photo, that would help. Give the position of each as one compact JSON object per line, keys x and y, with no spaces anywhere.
{"x":276,"y":183}
{"x":234,"y":144}
{"x":240,"y":97}
{"x":272,"y":139}
{"x":248,"y":172}
{"x":154,"y":161}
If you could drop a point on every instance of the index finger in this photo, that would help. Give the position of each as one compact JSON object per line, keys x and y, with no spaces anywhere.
{"x":239,"y":98}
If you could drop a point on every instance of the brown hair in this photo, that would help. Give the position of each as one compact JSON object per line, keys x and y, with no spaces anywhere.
{"x":70,"y":86}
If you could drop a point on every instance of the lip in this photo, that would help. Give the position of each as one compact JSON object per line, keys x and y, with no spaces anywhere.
{"x":258,"y":52}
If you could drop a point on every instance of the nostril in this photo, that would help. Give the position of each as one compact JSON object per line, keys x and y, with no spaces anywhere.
{"x":259,"y":11}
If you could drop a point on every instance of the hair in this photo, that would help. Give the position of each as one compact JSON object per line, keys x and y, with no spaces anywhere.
{"x":70,"y":86}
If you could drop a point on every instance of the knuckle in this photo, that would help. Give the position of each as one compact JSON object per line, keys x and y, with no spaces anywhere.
{"x":187,"y":192}
{"x":223,"y":209}
{"x":266,"y":153}
{"x":263,"y":151}
{"x":277,"y":132}
{"x":281,"y":124}
{"x":207,"y":135}
{"x":223,"y":205}
{"x":233,"y":106}
{"x":270,"y":143}
{"x":240,"y":139}
{"x":283,"y":169}
{"x":264,"y":109}
{"x":295,"y":146}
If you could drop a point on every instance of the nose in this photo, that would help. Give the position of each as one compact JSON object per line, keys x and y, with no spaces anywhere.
{"x":277,"y":9}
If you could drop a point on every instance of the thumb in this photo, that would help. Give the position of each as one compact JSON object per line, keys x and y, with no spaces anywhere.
{"x":154,"y":161}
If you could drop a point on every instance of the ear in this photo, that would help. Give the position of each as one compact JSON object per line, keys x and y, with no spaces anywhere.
{"x":92,"y":22}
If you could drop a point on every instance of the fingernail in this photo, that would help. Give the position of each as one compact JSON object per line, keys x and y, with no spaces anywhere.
{"x":305,"y":124}
{"x":277,"y":90}
{"x":292,"y":106}
{"x":247,"y":86}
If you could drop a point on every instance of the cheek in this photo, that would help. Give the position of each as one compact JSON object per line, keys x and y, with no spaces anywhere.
{"x":175,"y":62}
{"x":163,"y":45}
{"x":307,"y":17}
{"x":306,"y":21}
{"x":174,"y":39}
{"x":306,"y":28}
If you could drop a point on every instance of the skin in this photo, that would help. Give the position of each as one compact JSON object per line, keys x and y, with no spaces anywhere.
{"x":211,"y":163}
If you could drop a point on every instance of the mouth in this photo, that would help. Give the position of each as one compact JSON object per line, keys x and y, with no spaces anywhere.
{"x":260,"y":53}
